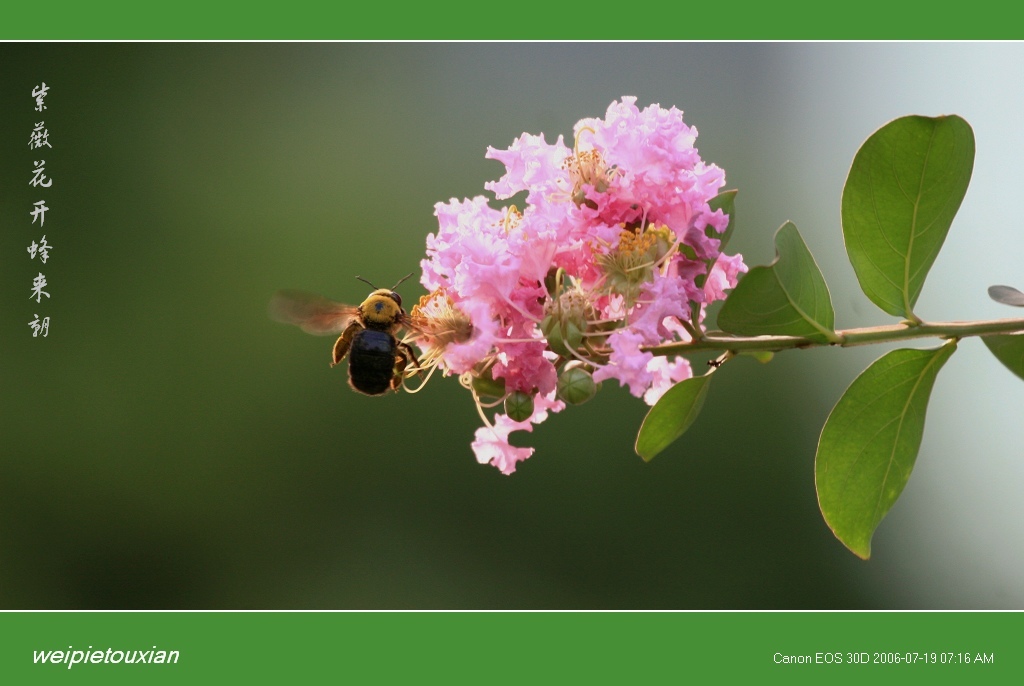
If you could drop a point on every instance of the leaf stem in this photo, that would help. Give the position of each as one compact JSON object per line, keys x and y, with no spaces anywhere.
{"x":719,"y":340}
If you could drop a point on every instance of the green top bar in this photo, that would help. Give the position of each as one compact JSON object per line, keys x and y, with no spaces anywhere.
{"x":524,"y":20}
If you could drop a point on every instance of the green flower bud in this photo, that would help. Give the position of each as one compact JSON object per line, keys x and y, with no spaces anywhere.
{"x":552,"y":332}
{"x":566,"y":318}
{"x":553,"y":282}
{"x":561,"y":336}
{"x":572,"y":337}
{"x":519,"y":406}
{"x":576,"y":386}
{"x":487,"y":385}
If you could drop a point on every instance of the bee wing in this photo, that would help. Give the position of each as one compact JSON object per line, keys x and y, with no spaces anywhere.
{"x":315,"y":314}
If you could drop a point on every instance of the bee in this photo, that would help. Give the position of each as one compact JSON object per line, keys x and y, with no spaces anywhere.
{"x":377,"y":360}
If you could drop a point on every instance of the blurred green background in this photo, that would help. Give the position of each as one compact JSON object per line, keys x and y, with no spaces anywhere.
{"x":168,"y":446}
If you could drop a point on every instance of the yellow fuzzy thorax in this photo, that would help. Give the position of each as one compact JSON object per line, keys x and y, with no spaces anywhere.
{"x":380,"y":309}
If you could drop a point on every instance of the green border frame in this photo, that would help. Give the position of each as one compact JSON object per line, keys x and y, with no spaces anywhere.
{"x":524,"y":20}
{"x":523,"y":647}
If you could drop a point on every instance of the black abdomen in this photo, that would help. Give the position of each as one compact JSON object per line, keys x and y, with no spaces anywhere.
{"x":371,"y":361}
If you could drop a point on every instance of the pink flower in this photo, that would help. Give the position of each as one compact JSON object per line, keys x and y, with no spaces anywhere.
{"x":524,"y":366}
{"x":660,"y":299}
{"x":605,"y":258}
{"x":530,"y":164}
{"x":469,"y":256}
{"x":462,"y":357}
{"x":658,"y":172}
{"x":627,"y":363}
{"x":491,"y":444}
{"x":724,"y":274}
{"x":666,"y":373}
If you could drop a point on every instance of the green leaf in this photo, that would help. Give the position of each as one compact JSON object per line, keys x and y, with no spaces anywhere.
{"x":870,"y":441}
{"x":725,"y":201}
{"x":762,"y":356}
{"x":1006,"y":295}
{"x":671,"y":416}
{"x":904,"y":188}
{"x":1008,"y":349}
{"x":787,"y":298}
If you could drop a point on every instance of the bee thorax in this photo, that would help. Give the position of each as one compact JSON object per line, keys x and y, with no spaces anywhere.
{"x":380,"y":312}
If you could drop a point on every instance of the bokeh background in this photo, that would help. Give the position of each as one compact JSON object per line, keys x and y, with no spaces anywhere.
{"x":168,"y":446}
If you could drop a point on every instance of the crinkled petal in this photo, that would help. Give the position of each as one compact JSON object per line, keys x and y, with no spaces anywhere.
{"x":491,"y":445}
{"x":627,"y":364}
{"x":666,"y":373}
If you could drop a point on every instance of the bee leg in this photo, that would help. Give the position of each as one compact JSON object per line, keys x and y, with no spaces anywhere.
{"x":344,"y":342}
{"x":406,"y":351}
{"x":402,"y":359}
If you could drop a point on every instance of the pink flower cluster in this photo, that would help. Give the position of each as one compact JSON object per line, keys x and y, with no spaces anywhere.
{"x":615,"y":250}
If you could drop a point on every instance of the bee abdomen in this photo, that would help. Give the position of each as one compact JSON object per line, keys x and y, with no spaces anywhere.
{"x":371,"y":361}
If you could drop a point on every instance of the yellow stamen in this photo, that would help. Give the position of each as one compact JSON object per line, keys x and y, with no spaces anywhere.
{"x":587,"y":167}
{"x":512,"y":219}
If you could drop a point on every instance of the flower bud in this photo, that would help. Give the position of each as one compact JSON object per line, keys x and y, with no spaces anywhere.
{"x":566,"y":318}
{"x":576,"y":386}
{"x":486,"y":385}
{"x":553,"y":282}
{"x":561,"y":336}
{"x":519,"y":406}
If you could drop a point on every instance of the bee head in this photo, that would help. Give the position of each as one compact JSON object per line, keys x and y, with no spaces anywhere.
{"x":382,"y":308}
